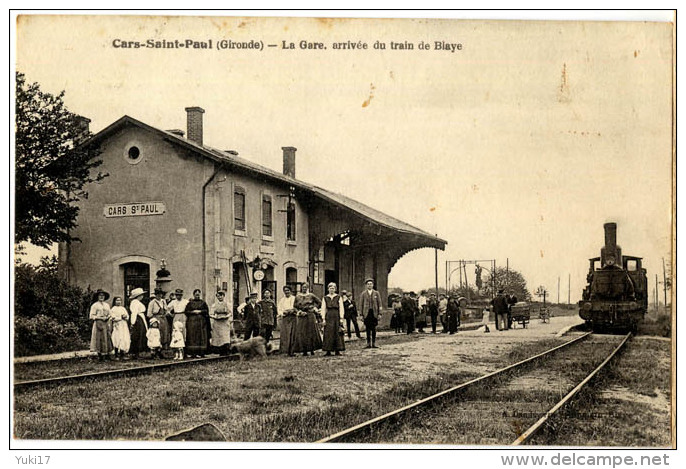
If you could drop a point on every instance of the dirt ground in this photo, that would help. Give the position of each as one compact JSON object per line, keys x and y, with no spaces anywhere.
{"x":472,"y":351}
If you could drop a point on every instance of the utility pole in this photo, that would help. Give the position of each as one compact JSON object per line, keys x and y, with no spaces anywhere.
{"x":558,"y":289}
{"x":569,"y":289}
{"x":657,"y":306}
{"x":436,"y":266}
{"x":664,"y":281}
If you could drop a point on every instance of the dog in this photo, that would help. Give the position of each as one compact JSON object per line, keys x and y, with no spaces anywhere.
{"x":254,"y":347}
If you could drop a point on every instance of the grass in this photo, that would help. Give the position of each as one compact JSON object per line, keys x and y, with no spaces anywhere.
{"x":280,"y":399}
{"x":627,"y":406}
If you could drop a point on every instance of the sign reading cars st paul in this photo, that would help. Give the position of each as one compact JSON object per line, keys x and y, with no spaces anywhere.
{"x":136,"y":209}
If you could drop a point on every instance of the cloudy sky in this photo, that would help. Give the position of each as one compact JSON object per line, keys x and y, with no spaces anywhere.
{"x":519,"y":146}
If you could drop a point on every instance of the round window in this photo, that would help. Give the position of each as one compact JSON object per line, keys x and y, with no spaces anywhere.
{"x":132,"y":153}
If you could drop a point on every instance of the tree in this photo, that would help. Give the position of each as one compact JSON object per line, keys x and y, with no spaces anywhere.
{"x":51,"y":167}
{"x":508,"y":280}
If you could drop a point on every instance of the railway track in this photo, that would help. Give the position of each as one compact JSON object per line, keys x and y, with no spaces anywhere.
{"x":117,"y":373}
{"x":493,"y":409}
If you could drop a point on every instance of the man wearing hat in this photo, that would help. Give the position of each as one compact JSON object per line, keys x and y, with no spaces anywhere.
{"x":370,"y":303}
{"x":157,"y":309}
{"x":267,"y":312}
{"x":350,"y":313}
{"x":177,"y":308}
{"x":251,"y":316}
{"x":139,"y":325}
{"x":500,"y":308}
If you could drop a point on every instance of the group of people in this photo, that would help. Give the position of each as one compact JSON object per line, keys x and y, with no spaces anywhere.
{"x":191,"y":328}
{"x":412,"y":312}
{"x":188,"y":327}
{"x":304,"y":316}
{"x":502,"y":307}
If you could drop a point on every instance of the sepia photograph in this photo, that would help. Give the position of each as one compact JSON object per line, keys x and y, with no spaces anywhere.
{"x":343,"y":232}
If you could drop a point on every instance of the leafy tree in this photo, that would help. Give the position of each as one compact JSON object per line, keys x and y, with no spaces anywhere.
{"x":51,"y":167}
{"x":508,"y":280}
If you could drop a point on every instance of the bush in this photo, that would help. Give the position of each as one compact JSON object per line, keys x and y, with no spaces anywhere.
{"x":47,"y":309}
{"x":42,"y":335}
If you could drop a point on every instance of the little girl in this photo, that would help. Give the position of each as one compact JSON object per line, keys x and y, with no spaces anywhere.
{"x":121,"y":340}
{"x":177,"y":342}
{"x":154,"y":339}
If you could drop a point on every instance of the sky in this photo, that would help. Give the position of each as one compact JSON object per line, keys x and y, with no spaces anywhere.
{"x":518,"y":147}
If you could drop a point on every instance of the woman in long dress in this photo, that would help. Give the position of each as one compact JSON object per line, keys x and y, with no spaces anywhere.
{"x":287,"y":312}
{"x":121,"y":338}
{"x":139,"y":325}
{"x":333,"y":311}
{"x":307,"y":337}
{"x":221,"y":318}
{"x":157,"y":309}
{"x":197,"y":326}
{"x":101,"y":341}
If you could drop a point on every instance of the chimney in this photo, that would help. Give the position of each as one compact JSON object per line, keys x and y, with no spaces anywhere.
{"x":610,"y":235}
{"x":82,"y":129}
{"x":289,"y":161}
{"x":194,"y":124}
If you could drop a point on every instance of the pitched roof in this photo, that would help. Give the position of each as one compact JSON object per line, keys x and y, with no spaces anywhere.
{"x":231,"y":159}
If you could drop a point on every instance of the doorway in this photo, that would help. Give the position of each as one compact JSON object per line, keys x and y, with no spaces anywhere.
{"x":136,"y":275}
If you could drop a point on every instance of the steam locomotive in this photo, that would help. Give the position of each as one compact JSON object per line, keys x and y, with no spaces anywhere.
{"x":616,"y":297}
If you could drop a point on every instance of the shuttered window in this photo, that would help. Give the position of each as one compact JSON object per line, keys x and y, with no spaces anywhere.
{"x":239,"y":209}
{"x":290,"y":222}
{"x":266,"y":215}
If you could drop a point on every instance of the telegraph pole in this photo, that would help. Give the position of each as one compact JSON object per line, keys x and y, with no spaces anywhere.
{"x":436,"y":266}
{"x":664,"y":281}
{"x":558,"y":289}
{"x":569,"y":289}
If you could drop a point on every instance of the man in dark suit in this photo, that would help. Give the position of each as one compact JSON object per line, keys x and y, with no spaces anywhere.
{"x":370,"y":305}
{"x":500,"y":307}
{"x":251,"y":314}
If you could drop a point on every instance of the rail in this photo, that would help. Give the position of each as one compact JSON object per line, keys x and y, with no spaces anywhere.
{"x":337,"y":437}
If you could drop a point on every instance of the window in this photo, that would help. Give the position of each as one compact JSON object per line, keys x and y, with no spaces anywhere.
{"x":239,"y":209}
{"x":133,"y":153}
{"x":266,"y":215}
{"x":290,"y":222}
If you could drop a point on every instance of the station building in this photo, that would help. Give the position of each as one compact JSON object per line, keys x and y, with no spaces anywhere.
{"x":219,"y":221}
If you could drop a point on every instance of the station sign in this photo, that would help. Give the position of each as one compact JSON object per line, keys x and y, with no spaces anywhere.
{"x":136,"y":209}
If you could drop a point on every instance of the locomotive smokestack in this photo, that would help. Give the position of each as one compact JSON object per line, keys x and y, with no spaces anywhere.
{"x":610,"y":235}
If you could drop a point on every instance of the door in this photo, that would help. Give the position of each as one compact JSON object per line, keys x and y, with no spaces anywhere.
{"x":136,"y":275}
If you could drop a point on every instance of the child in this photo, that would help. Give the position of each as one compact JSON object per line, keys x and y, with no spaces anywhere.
{"x":154,"y":339}
{"x":121,"y":340}
{"x":484,"y":319}
{"x":177,"y":342}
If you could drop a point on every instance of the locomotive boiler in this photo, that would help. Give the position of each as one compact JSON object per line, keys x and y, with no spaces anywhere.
{"x":616,"y":296}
